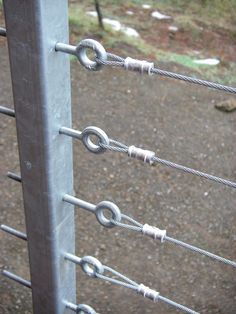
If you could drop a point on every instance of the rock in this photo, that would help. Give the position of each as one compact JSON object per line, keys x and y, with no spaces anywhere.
{"x":129,"y":12}
{"x":172,"y":31}
{"x":129,"y":31}
{"x":116,"y":25}
{"x":209,"y":61}
{"x":146,"y":6}
{"x":160,"y":16}
{"x":173,"y":28}
{"x":227,"y":105}
{"x":92,"y":13}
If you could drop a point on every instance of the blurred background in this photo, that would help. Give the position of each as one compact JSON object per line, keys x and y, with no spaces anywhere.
{"x":188,"y":124}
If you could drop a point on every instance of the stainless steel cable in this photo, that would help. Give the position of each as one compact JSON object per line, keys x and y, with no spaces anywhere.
{"x":139,"y":228}
{"x":124,"y":149}
{"x":93,"y":268}
{"x":114,"y":148}
{"x":194,"y":80}
{"x":117,"y":61}
{"x":135,"y":222}
{"x":200,"y":251}
{"x":128,"y":63}
{"x":135,"y":287}
{"x":115,"y":57}
{"x":111,"y":141}
{"x":116,"y":282}
{"x":117,"y":219}
{"x":126,"y":226}
{"x":195,"y":172}
{"x":177,"y":305}
{"x":110,"y":62}
{"x":144,"y":155}
{"x":116,"y":273}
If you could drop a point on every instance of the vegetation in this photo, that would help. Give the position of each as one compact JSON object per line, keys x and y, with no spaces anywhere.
{"x":83,"y":25}
{"x":189,"y":15}
{"x":214,"y":7}
{"x":99,"y":13}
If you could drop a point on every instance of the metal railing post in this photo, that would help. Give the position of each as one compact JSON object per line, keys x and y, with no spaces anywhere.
{"x":41,"y":90}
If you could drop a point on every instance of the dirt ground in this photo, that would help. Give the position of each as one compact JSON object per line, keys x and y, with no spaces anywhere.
{"x":177,"y":121}
{"x":201,"y":36}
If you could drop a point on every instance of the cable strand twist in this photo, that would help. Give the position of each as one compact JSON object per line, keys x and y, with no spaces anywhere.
{"x":117,"y":61}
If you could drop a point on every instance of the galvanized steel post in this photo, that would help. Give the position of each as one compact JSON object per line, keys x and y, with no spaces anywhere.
{"x":41,"y":89}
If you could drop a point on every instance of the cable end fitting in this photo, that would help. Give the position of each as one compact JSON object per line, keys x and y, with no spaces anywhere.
{"x":101,"y":136}
{"x":140,"y":66}
{"x":154,"y":232}
{"x":148,"y":293}
{"x":91,"y":266}
{"x":81,"y":53}
{"x":141,"y":154}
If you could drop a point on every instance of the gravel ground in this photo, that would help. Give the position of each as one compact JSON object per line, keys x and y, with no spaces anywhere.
{"x":179,"y":122}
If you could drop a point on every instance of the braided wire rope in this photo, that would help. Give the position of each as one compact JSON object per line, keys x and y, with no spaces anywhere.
{"x":117,"y":146}
{"x":160,"y":297}
{"x":126,"y":282}
{"x":194,"y":172}
{"x":139,"y":228}
{"x":200,"y":251}
{"x":124,"y":149}
{"x":118,"y":219}
{"x":118,"y":61}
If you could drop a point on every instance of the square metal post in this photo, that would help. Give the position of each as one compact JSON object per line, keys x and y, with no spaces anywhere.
{"x":42,"y":100}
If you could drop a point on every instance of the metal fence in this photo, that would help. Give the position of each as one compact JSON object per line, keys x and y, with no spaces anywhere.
{"x":37,"y":36}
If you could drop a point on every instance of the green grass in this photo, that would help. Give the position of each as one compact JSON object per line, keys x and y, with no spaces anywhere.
{"x":83,"y":26}
{"x":214,"y":8}
{"x":224,"y":74}
{"x":213,"y":12}
{"x":80,"y":22}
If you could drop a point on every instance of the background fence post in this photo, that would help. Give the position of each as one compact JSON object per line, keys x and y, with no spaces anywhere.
{"x":41,"y":89}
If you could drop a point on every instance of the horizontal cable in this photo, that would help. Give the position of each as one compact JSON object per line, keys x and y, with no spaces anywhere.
{"x":7,"y":111}
{"x":195,"y":172}
{"x":200,"y":251}
{"x":194,"y":80}
{"x":3,"y":32}
{"x":147,"y":156}
{"x":177,"y":305}
{"x":154,"y":159}
{"x":117,"y":282}
{"x":141,"y":66}
{"x":121,"y":62}
{"x":14,"y":232}
{"x":157,"y":233}
{"x":150,"y":231}
{"x":118,"y":218}
{"x":94,"y":268}
{"x":16,"y":278}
